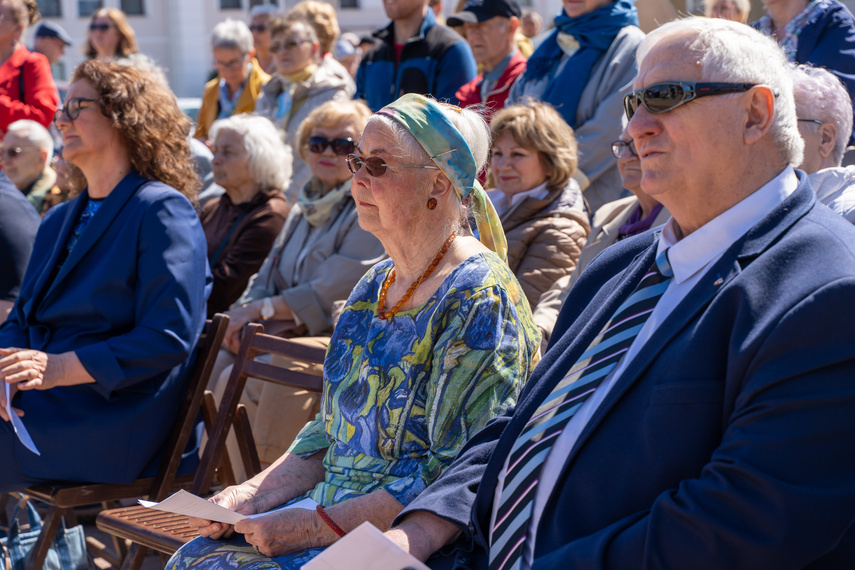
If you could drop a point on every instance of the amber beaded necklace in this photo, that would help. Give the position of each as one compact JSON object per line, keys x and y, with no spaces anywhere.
{"x":382,"y":313}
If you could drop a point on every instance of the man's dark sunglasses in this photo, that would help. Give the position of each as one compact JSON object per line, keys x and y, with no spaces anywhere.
{"x":663,"y":97}
{"x":341,"y":147}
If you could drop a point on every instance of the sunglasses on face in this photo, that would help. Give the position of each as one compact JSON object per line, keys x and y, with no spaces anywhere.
{"x":260,"y":28}
{"x":341,"y":147}
{"x":276,"y":47}
{"x":663,"y":97}
{"x":376,"y":166}
{"x":72,"y":108}
{"x":14,"y":152}
{"x":619,"y":146}
{"x":99,"y":27}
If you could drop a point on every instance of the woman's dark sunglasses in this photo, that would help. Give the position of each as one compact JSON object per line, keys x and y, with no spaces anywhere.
{"x":99,"y":27}
{"x":341,"y":147}
{"x":663,"y":97}
{"x":376,"y":166}
{"x":618,"y":146}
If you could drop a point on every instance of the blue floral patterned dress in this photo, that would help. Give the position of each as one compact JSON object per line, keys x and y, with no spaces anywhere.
{"x":402,"y":396}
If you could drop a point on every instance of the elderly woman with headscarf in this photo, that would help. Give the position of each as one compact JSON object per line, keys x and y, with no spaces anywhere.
{"x":583,"y":69}
{"x":431,"y":344}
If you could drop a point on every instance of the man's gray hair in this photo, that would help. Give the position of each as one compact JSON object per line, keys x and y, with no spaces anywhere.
{"x":735,"y":53}
{"x":33,"y":132}
{"x":263,"y":9}
{"x":269,"y":157}
{"x":820,"y":95}
{"x":232,"y":34}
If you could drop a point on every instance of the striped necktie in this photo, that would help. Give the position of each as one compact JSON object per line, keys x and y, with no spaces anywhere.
{"x":509,"y":532}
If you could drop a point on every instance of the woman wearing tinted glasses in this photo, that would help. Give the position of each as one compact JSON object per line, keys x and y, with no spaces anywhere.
{"x":430,"y":346}
{"x":111,"y":37}
{"x":300,"y":84}
{"x":583,"y":69}
{"x":251,"y":164}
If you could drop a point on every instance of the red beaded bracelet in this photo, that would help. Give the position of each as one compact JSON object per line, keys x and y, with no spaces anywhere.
{"x":338,"y":530}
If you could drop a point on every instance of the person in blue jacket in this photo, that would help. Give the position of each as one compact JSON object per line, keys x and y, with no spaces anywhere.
{"x":98,"y":344}
{"x":414,"y":54}
{"x":818,"y":32}
{"x":19,"y":223}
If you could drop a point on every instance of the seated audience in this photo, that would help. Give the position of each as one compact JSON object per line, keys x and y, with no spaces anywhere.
{"x":736,"y":10}
{"x":301,"y":83}
{"x":819,"y":32}
{"x":25,"y":154}
{"x":51,"y":40}
{"x":18,"y":225}
{"x":348,"y":54}
{"x":259,"y":22}
{"x":239,"y":77}
{"x":490,"y":30}
{"x":111,"y":38}
{"x":717,"y":432}
{"x":532,"y":160}
{"x":27,"y":90}
{"x":323,"y":18}
{"x":583,"y":69}
{"x":318,"y":257}
{"x":825,"y":119}
{"x":431,"y":345}
{"x":251,"y":164}
{"x":612,"y":223}
{"x":97,"y":348}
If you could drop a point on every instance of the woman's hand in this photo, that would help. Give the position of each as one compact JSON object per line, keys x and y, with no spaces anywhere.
{"x":285,"y":531}
{"x":238,"y":318}
{"x":238,"y":498}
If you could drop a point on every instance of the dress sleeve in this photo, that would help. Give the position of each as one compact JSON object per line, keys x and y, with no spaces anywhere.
{"x":311,"y":439}
{"x":40,"y":95}
{"x":480,"y":362}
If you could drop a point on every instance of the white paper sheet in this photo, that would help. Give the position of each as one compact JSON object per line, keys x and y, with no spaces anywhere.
{"x":364,"y":548}
{"x":18,"y":425}
{"x":184,"y":503}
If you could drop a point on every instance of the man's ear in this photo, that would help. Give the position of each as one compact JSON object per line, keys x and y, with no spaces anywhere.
{"x":43,"y":156}
{"x":760,"y":113}
{"x":827,"y":138}
{"x":513,"y":24}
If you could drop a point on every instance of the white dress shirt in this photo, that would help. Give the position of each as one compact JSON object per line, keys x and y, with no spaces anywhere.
{"x":503,"y":204}
{"x":690,"y":257}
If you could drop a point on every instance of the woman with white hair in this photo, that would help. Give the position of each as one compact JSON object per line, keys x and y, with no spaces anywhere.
{"x":431,"y":345}
{"x":250,"y":163}
{"x":239,"y":77}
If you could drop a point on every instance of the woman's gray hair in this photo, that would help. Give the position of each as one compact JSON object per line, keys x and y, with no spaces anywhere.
{"x":232,"y":34}
{"x":733,"y":52}
{"x":472,"y":127}
{"x":269,"y":157}
{"x":821,"y":96}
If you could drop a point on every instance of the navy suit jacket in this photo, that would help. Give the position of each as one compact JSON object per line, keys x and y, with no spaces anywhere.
{"x":726,"y":443}
{"x":19,"y":223}
{"x":129,"y":300}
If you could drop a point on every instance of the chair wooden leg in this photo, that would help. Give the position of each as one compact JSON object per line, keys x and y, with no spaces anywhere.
{"x":134,"y":559}
{"x":42,"y":546}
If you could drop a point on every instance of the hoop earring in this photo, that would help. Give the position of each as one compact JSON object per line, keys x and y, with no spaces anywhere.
{"x":431,"y":204}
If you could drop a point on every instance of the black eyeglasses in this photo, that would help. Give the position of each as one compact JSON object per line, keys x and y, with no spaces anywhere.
{"x":814,"y":121}
{"x":318,"y":145}
{"x":99,"y":27}
{"x":258,"y":28}
{"x":663,"y":97}
{"x":619,"y":146}
{"x":14,"y":151}
{"x":286,"y":45}
{"x":72,"y":108}
{"x":376,"y":166}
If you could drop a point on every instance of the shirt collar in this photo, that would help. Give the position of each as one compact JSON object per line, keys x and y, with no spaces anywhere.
{"x":498,"y":197}
{"x":695,"y":251}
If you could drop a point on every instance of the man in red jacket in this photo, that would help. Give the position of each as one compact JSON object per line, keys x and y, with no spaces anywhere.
{"x":490,"y":26}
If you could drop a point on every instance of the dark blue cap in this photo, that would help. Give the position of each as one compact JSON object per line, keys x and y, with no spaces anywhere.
{"x":51,"y":30}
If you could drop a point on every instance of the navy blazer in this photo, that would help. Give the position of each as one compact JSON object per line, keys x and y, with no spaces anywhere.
{"x":129,"y":300}
{"x":727,"y":441}
{"x":19,"y":223}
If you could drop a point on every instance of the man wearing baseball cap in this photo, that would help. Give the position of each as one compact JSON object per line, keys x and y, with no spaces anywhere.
{"x":51,"y":41}
{"x":490,"y":27}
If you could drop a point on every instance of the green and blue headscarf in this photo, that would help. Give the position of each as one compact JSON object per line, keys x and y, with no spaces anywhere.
{"x":426,"y":120}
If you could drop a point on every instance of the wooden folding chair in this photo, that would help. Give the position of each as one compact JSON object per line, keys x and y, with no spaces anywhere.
{"x":61,"y":497}
{"x":167,"y":532}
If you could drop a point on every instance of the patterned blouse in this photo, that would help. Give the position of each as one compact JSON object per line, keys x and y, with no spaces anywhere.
{"x":402,"y":396}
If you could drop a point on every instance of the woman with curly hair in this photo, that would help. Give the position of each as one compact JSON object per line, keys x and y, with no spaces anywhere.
{"x":112,"y":38}
{"x":96,"y":351}
{"x":27,"y":90}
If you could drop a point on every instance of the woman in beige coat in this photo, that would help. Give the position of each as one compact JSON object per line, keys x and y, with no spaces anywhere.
{"x":532,"y":160}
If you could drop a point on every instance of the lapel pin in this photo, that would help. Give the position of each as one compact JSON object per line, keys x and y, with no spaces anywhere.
{"x":718,"y":281}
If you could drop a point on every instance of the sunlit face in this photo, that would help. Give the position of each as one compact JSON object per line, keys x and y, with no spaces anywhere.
{"x":327,"y":166}
{"x":515,"y":168}
{"x":401,"y":9}
{"x":576,"y":8}
{"x":232,"y":65}
{"x":51,"y":48}
{"x":629,"y":167}
{"x":231,"y":161}
{"x":491,"y":40}
{"x":260,"y":31}
{"x":726,"y":10}
{"x":104,"y":36}
{"x":9,"y":30}
{"x":22,"y":161}
{"x":87,"y":138}
{"x":293,"y":51}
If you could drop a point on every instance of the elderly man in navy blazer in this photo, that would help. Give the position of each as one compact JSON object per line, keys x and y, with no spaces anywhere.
{"x":696,"y":408}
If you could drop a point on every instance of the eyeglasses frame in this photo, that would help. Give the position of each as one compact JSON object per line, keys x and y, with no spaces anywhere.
{"x":66,"y":108}
{"x":350,"y":158}
{"x":691,"y":91}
